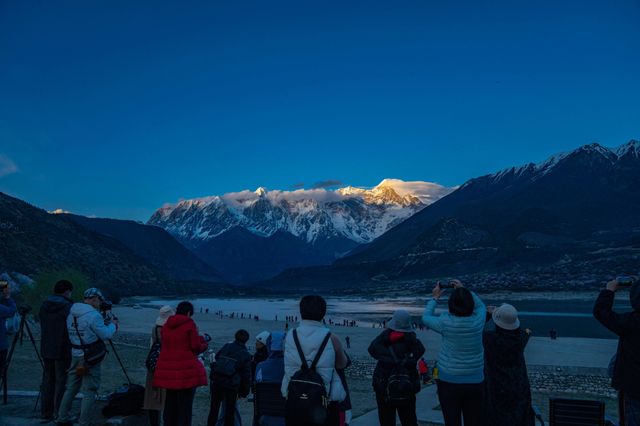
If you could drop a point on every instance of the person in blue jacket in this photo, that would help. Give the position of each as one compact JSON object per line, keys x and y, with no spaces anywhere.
{"x":271,"y":370}
{"x":461,"y":358}
{"x":7,"y":310}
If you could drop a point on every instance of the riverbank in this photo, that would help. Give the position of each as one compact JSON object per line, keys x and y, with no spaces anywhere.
{"x":571,"y":367}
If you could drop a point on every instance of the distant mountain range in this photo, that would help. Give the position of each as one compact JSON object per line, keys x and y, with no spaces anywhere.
{"x":569,"y":222}
{"x":573,"y":220}
{"x":249,"y":236}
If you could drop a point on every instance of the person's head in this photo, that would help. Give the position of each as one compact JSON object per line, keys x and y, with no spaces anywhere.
{"x":4,"y":288}
{"x":164,"y":314}
{"x":242,"y":336}
{"x":313,"y":307}
{"x":506,"y":317}
{"x":401,"y":322}
{"x":262,"y":339}
{"x":93,"y":297}
{"x":63,"y":288}
{"x":634,"y":296}
{"x":461,"y":302}
{"x":185,"y":308}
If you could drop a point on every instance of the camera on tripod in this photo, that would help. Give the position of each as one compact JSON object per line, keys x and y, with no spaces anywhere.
{"x":105,"y":306}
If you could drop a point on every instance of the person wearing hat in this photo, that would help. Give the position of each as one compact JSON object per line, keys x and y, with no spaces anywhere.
{"x":87,"y":330}
{"x":507,"y":391}
{"x":397,"y":344}
{"x":154,"y":398}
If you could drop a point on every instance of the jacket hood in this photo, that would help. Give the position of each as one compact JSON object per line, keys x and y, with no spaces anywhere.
{"x":56,"y":303}
{"x":177,"y":320}
{"x":634,"y":296}
{"x":396,"y":336}
{"x":79,"y":309}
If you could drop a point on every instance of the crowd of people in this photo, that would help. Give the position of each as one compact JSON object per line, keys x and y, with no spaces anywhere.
{"x":481,"y":371}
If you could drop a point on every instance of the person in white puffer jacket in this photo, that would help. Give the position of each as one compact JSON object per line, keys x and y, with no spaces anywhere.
{"x":85,"y":326}
{"x":311,"y":332}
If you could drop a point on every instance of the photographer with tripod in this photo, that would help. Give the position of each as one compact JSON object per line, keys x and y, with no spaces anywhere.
{"x":55,"y":347}
{"x":7,"y":310}
{"x":88,"y":330}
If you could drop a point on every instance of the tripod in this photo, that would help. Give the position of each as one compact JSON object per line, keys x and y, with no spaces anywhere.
{"x":124,"y":370}
{"x":23,"y":310}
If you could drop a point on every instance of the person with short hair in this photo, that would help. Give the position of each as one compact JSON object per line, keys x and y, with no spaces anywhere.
{"x":461,"y":359}
{"x":507,"y":390}
{"x":87,"y":328}
{"x":626,"y":365}
{"x":7,"y":310}
{"x":311,"y":333}
{"x":230,"y":378}
{"x":55,"y":347}
{"x":154,"y":398}
{"x":179,"y":370}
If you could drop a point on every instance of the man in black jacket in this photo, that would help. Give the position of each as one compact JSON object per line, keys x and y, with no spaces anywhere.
{"x":230,"y":378}
{"x":626,"y":372}
{"x":55,"y":347}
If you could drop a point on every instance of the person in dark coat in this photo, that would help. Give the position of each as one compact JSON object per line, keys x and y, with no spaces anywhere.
{"x":626,"y":367}
{"x":7,"y":310}
{"x":507,"y":390}
{"x":399,"y":337}
{"x":230,"y":378}
{"x":55,"y":347}
{"x":179,"y":370}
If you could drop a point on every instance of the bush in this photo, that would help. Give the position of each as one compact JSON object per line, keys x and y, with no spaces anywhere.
{"x":43,"y":284}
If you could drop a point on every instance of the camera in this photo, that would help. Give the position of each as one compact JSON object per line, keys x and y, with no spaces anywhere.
{"x":446,"y":285}
{"x":106,"y":305}
{"x":625,"y":281}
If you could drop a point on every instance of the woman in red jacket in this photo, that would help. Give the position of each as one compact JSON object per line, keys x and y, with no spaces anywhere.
{"x":179,"y":370}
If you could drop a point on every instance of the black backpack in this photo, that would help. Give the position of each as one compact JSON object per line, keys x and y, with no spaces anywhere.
{"x":307,"y":399}
{"x":126,"y":401}
{"x":154,"y":353}
{"x":400,"y":386}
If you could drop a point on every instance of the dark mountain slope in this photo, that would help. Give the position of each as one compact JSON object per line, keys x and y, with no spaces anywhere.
{"x":32,"y":240}
{"x":571,"y":218}
{"x":242,"y":256}
{"x":155,"y":245}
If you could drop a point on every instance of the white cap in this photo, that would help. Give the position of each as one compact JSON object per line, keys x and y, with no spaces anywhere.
{"x":262,"y":337}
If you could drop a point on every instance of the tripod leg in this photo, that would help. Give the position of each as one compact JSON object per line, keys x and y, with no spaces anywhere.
{"x":7,"y":362}
{"x":124,"y":370}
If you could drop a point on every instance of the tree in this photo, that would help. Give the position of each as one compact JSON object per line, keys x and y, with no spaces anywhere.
{"x":43,"y":284}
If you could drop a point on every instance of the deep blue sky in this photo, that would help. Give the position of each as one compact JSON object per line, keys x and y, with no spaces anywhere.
{"x":112,"y":108}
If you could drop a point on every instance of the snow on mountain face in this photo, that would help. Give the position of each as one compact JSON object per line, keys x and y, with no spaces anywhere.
{"x":314,"y":215}
{"x":534,"y":171}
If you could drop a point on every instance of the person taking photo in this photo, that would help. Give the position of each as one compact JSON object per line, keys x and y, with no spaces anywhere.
{"x":7,"y":310}
{"x":626,"y":367}
{"x":87,"y":332}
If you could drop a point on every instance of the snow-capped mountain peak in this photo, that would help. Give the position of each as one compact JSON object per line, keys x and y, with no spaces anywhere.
{"x":314,"y":215}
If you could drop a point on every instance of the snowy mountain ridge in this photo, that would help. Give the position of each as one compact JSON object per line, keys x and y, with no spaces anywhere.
{"x":314,"y":215}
